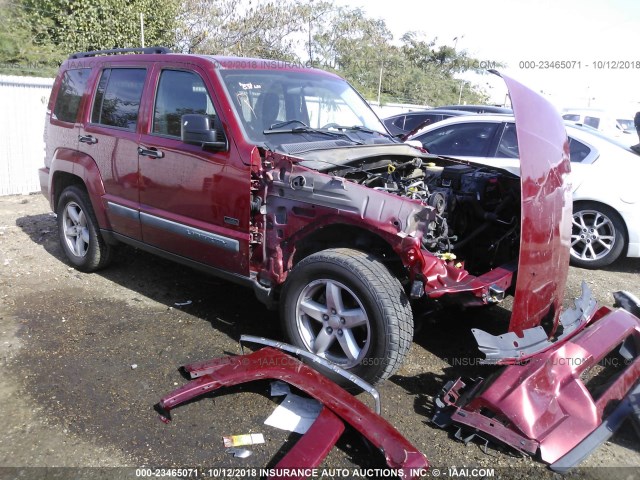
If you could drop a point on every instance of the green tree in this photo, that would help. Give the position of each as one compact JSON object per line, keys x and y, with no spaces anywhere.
{"x":37,"y":35}
{"x":81,"y":25}
{"x":19,"y":52}
{"x":418,"y":71}
{"x":234,"y":27}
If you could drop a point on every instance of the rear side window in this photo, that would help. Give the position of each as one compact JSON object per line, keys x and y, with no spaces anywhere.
{"x":70,"y":93}
{"x":578,"y":151}
{"x":571,"y":117}
{"x":508,"y":146}
{"x":592,"y":121}
{"x":118,"y":96}
{"x":179,"y":93}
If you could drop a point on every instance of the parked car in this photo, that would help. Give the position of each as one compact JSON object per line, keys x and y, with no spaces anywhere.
{"x":619,"y":127}
{"x":606,"y":199}
{"x":282,"y":178}
{"x":477,"y":109}
{"x":405,"y":123}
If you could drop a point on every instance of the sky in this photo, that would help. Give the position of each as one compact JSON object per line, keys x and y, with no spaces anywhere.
{"x":580,"y":32}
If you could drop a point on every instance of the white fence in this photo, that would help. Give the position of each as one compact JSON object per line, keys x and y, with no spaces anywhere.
{"x":23,"y":104}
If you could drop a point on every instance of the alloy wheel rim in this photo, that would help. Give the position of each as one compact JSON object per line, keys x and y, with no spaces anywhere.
{"x":593,"y":235}
{"x":333,"y":323}
{"x":76,"y":233}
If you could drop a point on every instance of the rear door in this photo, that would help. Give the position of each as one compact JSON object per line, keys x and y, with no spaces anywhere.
{"x":110,"y":137}
{"x":193,"y":203}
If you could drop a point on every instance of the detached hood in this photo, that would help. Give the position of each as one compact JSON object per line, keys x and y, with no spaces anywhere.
{"x":546,"y":210}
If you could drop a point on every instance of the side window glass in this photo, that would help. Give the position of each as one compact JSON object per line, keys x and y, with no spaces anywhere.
{"x":508,"y":146}
{"x":399,"y":122}
{"x":466,"y":139}
{"x":72,"y":87}
{"x":118,"y":96}
{"x":578,"y":151}
{"x":179,"y":93}
{"x":414,"y":120}
{"x":592,"y":121}
{"x":571,"y":117}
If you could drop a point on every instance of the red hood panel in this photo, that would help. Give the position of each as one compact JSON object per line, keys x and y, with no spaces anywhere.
{"x":546,"y":209}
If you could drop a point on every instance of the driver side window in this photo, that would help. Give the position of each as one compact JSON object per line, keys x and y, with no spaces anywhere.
{"x":179,"y":93}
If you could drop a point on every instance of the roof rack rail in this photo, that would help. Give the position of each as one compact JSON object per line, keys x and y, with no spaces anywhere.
{"x":120,"y":50}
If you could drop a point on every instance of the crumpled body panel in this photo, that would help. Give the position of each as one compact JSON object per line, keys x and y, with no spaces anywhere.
{"x":544,"y":404}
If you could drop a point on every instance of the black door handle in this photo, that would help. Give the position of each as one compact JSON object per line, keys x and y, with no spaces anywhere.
{"x":150,"y":152}
{"x":90,"y":139}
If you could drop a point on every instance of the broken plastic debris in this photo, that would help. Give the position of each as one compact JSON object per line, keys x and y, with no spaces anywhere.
{"x":295,"y":414}
{"x":239,"y":452}
{"x":134,"y":366}
{"x":182,"y":304}
{"x":279,"y":389}
{"x":241,"y":440}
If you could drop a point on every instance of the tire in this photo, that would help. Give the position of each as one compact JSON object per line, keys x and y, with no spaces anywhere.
{"x":346,"y":307}
{"x":597,"y":235}
{"x":78,"y":231}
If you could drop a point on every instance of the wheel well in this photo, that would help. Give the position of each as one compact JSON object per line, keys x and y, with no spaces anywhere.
{"x":625,"y":233}
{"x":348,"y":236}
{"x":62,"y":180}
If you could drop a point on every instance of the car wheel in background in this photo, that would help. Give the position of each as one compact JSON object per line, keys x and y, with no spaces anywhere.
{"x":597,"y":235}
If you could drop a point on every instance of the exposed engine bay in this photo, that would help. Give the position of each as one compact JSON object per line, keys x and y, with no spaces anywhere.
{"x":472,"y":211}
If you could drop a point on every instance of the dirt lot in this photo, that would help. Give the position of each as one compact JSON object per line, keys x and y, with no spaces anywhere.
{"x":71,"y":398}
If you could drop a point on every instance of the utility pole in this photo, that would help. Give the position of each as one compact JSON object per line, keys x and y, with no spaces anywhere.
{"x":380,"y":85}
{"x":310,"y":57}
{"x":142,"y":29}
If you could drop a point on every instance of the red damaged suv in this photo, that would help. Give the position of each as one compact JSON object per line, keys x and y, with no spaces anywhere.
{"x":281,"y":178}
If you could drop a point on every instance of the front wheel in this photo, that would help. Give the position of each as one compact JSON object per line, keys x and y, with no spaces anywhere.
{"x":345,"y":306}
{"x":597,"y":235}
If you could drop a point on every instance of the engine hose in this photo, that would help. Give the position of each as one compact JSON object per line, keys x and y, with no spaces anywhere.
{"x":490,"y":217}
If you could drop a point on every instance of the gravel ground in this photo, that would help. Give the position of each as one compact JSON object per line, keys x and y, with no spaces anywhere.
{"x":71,"y":398}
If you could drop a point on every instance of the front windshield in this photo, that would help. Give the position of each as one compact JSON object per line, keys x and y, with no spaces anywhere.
{"x":288,"y":100}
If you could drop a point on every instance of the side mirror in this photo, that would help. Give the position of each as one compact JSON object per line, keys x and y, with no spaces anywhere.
{"x":197,"y":129}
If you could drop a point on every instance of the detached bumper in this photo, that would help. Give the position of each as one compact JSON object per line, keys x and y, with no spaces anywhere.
{"x":338,"y":406}
{"x":546,"y":405}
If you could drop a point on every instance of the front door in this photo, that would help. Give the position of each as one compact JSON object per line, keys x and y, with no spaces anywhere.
{"x":193,"y":202}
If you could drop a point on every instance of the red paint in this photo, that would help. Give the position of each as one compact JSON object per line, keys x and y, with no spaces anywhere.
{"x":269,"y":363}
{"x":545,"y":403}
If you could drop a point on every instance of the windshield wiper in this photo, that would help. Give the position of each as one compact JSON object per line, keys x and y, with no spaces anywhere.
{"x":306,"y":129}
{"x":285,"y":123}
{"x":358,"y":128}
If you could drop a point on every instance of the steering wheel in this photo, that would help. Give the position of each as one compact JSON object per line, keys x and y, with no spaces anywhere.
{"x":330,"y":125}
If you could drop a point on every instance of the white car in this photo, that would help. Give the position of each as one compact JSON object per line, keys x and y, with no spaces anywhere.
{"x":604,"y":175}
{"x":618,"y":126}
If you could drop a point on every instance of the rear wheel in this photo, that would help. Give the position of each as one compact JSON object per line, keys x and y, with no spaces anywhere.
{"x":345,"y":306}
{"x":78,"y":231}
{"x":597,"y":235}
